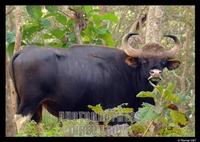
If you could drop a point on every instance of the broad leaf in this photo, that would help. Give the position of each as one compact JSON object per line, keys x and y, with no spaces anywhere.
{"x":170,"y":87}
{"x":34,"y":11}
{"x":171,"y":96}
{"x":108,"y":39}
{"x":101,"y":30}
{"x":50,"y":15}
{"x":146,"y":113}
{"x":47,"y":36}
{"x":97,"y":109}
{"x":178,"y":117}
{"x":111,"y":17}
{"x":61,"y":19}
{"x":87,"y":9}
{"x":10,"y":48}
{"x":97,"y":20}
{"x":159,"y":89}
{"x":10,"y":37}
{"x":30,"y":29}
{"x":145,"y":94}
{"x":52,"y":8}
{"x":45,"y":23}
{"x":58,"y":33}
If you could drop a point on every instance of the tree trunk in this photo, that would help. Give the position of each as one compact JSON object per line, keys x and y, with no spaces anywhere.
{"x":10,"y":17}
{"x":18,"y":29}
{"x":10,"y":125}
{"x":154,"y":24}
{"x":185,"y":63}
{"x":10,"y":91}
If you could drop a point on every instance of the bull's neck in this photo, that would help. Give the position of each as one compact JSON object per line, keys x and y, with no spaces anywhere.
{"x":140,"y":82}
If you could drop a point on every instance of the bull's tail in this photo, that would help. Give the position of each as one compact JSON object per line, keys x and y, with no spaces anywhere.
{"x":12,"y":75}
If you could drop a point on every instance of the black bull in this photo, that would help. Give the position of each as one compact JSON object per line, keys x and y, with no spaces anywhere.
{"x":71,"y":79}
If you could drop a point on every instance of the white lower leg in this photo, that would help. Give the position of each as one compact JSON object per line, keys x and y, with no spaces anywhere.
{"x":20,"y":120}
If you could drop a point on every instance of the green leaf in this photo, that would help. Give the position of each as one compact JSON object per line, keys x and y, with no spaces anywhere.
{"x":88,"y":30}
{"x":61,"y":19}
{"x":97,"y":109}
{"x":50,"y":15}
{"x":10,"y":37}
{"x":97,"y":19}
{"x":71,"y":37}
{"x":58,"y":33}
{"x":145,"y":94}
{"x":86,"y":39}
{"x":87,"y":9}
{"x":178,"y":117}
{"x":52,"y":8}
{"x":45,"y":23}
{"x":34,"y":11}
{"x":122,"y":109}
{"x":159,"y":89}
{"x":29,"y":29}
{"x":10,"y":49}
{"x":138,"y":127}
{"x":55,"y":44}
{"x":108,"y":39}
{"x":170,"y":87}
{"x":47,"y":36}
{"x":126,"y":110}
{"x":146,"y":113}
{"x":101,"y":30}
{"x":171,"y":96}
{"x":111,"y":17}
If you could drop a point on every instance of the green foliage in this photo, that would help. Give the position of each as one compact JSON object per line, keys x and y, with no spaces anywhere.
{"x":77,"y":127}
{"x":97,"y":30}
{"x":109,"y":114}
{"x":10,"y":42}
{"x":34,"y":11}
{"x":178,"y":117}
{"x":29,"y":130}
{"x":51,"y":8}
{"x":50,"y":27}
{"x":145,"y":94}
{"x":176,"y":131}
{"x":147,"y":112}
{"x":137,"y":129}
{"x":165,"y":117}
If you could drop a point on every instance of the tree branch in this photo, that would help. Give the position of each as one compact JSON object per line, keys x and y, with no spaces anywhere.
{"x":148,"y":128}
{"x":10,"y":10}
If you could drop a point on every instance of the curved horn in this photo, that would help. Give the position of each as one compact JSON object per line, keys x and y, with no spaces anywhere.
{"x":127,"y":48}
{"x":173,"y":52}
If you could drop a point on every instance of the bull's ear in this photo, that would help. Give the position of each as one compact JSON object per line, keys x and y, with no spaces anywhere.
{"x":131,"y":61}
{"x":173,"y":64}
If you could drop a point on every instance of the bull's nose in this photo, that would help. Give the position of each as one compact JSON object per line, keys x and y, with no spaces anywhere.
{"x":155,"y":73}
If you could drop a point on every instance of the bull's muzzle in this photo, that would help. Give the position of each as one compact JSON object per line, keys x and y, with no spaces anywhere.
{"x":155,"y":75}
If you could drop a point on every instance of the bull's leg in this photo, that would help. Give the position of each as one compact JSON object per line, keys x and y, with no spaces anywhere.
{"x":37,"y":117}
{"x":26,"y":111}
{"x":20,"y":120}
{"x":60,"y":122}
